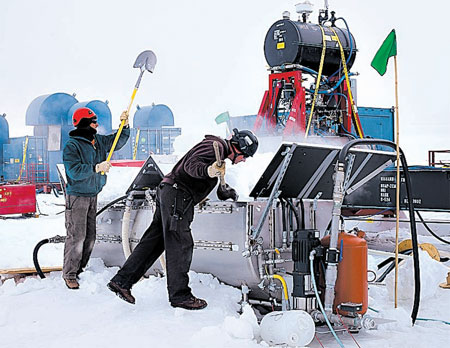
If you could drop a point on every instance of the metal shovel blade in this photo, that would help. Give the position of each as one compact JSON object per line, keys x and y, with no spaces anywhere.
{"x":146,"y":60}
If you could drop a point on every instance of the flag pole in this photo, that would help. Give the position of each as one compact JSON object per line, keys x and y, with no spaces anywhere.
{"x":397,"y":198}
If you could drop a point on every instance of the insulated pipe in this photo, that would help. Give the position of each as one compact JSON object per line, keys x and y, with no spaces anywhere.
{"x":332,"y":252}
{"x":126,"y":226}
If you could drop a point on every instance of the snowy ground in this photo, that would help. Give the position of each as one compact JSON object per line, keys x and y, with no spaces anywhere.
{"x":44,"y":313}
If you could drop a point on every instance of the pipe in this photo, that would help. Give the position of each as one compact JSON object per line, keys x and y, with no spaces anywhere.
{"x":332,"y":252}
{"x":283,"y":283}
{"x":126,"y":226}
{"x":325,"y":317}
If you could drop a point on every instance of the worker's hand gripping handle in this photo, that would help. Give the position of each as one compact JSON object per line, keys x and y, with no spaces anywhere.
{"x":219,"y":162}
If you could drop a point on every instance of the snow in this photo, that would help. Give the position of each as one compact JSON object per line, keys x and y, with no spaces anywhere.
{"x":44,"y":313}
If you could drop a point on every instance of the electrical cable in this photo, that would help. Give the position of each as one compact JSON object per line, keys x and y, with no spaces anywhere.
{"x":391,"y":267}
{"x":317,"y":338}
{"x":297,"y":217}
{"x":351,"y":45}
{"x":346,"y":328}
{"x":110,"y":204}
{"x":436,"y":320}
{"x":429,"y":229}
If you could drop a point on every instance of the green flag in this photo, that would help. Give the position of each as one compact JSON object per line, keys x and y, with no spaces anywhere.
{"x":388,"y":49}
{"x":223,"y":117}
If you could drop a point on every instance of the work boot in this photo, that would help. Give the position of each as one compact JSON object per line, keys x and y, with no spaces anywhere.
{"x":72,"y":284}
{"x":192,"y":303}
{"x":124,"y":294}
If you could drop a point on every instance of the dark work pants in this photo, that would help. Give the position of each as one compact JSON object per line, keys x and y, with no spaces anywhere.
{"x":169,"y":231}
{"x":80,"y":239}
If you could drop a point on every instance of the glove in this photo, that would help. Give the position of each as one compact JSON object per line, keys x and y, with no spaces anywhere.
{"x":214,"y":171}
{"x":225,"y":192}
{"x":124,"y":117}
{"x":102,"y":167}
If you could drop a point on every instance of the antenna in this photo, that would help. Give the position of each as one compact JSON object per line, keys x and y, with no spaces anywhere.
{"x":304,"y":9}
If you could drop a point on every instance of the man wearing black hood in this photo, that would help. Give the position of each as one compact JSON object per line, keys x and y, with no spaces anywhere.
{"x":84,"y":158}
{"x":190,"y":181}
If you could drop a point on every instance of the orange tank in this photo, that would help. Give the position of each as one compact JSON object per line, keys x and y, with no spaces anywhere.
{"x":351,"y":283}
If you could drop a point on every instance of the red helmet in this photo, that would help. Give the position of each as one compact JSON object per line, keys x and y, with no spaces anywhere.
{"x":81,"y":113}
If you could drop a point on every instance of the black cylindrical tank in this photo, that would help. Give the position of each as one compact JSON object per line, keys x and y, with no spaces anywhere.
{"x":290,"y":42}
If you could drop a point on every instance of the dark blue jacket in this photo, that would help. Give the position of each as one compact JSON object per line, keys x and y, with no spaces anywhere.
{"x":80,"y":158}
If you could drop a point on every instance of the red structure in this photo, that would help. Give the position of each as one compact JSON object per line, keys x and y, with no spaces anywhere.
{"x":283,"y":110}
{"x":17,"y":199}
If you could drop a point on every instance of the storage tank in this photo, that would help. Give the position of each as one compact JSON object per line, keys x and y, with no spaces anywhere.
{"x":49,"y":109}
{"x":293,"y":42}
{"x":351,"y":284}
{"x":154,"y":116}
{"x":4,"y":138}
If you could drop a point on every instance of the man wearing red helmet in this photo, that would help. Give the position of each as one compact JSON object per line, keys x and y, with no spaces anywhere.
{"x":84,"y":158}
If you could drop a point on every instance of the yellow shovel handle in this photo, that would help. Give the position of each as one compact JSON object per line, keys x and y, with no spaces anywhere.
{"x":119,"y":131}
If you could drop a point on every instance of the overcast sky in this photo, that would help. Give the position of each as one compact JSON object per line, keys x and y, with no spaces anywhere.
{"x":211,"y":59}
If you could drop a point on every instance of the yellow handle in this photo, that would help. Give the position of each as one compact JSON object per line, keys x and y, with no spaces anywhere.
{"x":119,"y":131}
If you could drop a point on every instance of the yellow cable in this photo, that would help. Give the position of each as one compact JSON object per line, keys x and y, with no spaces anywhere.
{"x":136,"y":143}
{"x":347,"y":80}
{"x":283,"y":282}
{"x":319,"y":75}
{"x":23,"y":158}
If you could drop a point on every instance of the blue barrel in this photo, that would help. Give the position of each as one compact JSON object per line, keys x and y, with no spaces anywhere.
{"x":153,"y":117}
{"x":49,"y":109}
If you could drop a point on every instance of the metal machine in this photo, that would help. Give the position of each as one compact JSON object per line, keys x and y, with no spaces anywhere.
{"x":310,"y":91}
{"x":254,"y":245}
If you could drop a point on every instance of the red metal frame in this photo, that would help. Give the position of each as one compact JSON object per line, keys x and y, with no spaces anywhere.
{"x":296,"y":119}
{"x":36,"y":173}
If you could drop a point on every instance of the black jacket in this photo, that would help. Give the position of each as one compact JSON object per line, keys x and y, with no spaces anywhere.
{"x":191,"y":171}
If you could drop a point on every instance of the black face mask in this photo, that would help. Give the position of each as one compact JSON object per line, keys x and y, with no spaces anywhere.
{"x":85,"y":132}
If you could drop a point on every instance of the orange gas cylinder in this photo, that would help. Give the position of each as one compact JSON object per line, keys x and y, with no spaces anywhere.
{"x":351,"y":283}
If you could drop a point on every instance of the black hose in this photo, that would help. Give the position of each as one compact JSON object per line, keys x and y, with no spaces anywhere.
{"x":35,"y":257}
{"x":302,"y":210}
{"x":283,"y":215}
{"x":391,"y":267}
{"x":58,"y":239}
{"x":415,"y":244}
{"x":429,"y":230}
{"x":110,"y":204}
{"x":297,"y":217}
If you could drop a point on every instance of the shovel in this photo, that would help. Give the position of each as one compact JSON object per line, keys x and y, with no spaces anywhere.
{"x":146,"y":60}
